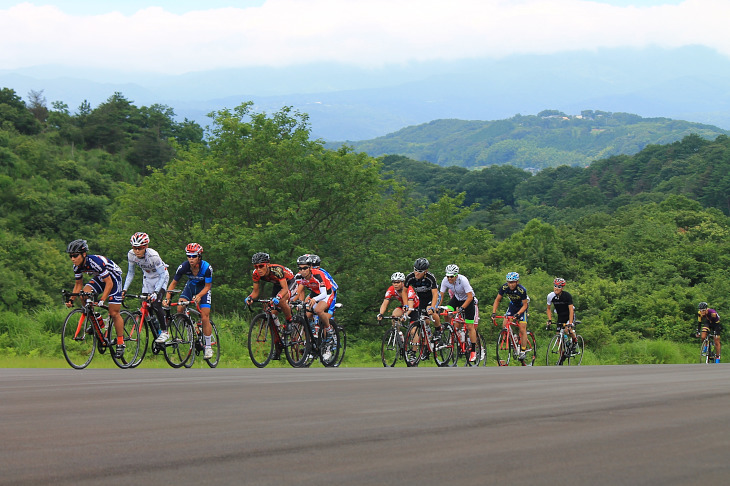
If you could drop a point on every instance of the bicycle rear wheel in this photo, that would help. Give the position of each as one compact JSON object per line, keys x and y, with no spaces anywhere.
{"x":554,"y":352}
{"x":415,"y":341}
{"x":391,"y":347}
{"x":296,"y":345}
{"x":260,"y":341}
{"x":139,"y":331}
{"x":78,"y":339}
{"x":179,"y":348}
{"x":131,"y":344}
{"x":445,"y":348}
{"x":215,"y":345}
{"x":504,"y":348}
{"x":575,"y":358}
{"x":343,"y":343}
{"x":530,"y":350}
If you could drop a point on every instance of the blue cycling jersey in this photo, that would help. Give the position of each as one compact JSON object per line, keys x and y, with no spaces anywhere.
{"x":204,"y":275}
{"x":97,"y":265}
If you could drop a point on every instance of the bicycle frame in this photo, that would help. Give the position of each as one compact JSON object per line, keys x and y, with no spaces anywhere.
{"x":462,"y":341}
{"x":393,"y":340}
{"x":512,"y":345}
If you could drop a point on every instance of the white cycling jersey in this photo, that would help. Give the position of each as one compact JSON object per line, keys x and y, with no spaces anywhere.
{"x":460,"y":288}
{"x":155,"y":275}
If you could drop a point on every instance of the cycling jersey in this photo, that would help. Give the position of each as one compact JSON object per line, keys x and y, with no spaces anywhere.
{"x":562,"y":303}
{"x":275,"y":274}
{"x":332,"y":280}
{"x":515,"y":297}
{"x":391,"y":294}
{"x":319,"y":285}
{"x":423,"y":287}
{"x":459,"y":288}
{"x":711,"y":320}
{"x":100,"y":267}
{"x":196,"y":282}
{"x":155,"y":275}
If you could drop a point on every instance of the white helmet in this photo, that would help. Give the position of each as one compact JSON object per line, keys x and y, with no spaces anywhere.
{"x":398,"y":277}
{"x":452,"y":270}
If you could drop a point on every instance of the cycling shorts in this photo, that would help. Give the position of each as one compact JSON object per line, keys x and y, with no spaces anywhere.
{"x":470,"y":312}
{"x":512,"y":311}
{"x":191,"y":290}
{"x":717,"y":328}
{"x":115,"y":296}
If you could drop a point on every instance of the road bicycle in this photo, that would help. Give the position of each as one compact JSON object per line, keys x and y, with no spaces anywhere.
{"x":319,"y":342}
{"x":708,"y":352}
{"x":196,"y":321}
{"x":509,"y":344}
{"x":392,"y":345}
{"x":420,"y":343}
{"x":560,"y":350}
{"x":268,"y":338}
{"x":85,"y":331}
{"x":462,"y":341}
{"x":145,"y":323}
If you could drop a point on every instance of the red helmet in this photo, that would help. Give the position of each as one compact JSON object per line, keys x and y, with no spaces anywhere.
{"x":194,"y":249}
{"x":139,"y":239}
{"x":559,"y":282}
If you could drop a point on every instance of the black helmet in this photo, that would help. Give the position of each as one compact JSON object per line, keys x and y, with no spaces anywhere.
{"x":421,"y":265}
{"x":260,"y":257}
{"x":305,"y":260}
{"x":77,"y":246}
{"x":702,"y":306}
{"x":316,"y":260}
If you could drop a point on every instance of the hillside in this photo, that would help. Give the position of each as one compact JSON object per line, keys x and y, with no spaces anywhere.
{"x":548,"y":139}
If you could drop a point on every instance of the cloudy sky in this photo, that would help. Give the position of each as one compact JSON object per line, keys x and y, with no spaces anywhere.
{"x":178,"y":36}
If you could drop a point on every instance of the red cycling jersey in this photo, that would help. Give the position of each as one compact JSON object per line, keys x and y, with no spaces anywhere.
{"x":276,"y":273}
{"x":315,"y":282}
{"x":391,"y":294}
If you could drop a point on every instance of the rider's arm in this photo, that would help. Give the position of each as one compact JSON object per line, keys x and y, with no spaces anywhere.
{"x":108,"y":285}
{"x":206,"y":288}
{"x":384,"y":306}
{"x":284,"y":292}
{"x":469,"y":300}
{"x":495,"y":306}
{"x":161,"y":273}
{"x":130,"y":276}
{"x":434,"y":298}
{"x":572,"y":314}
{"x":170,"y":288}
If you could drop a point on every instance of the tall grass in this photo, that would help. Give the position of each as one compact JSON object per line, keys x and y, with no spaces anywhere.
{"x":32,"y":340}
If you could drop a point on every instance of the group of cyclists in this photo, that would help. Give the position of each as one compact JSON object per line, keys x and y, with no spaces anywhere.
{"x":416,"y":293}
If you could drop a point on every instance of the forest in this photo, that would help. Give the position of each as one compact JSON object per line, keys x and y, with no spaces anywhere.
{"x":641,"y":239}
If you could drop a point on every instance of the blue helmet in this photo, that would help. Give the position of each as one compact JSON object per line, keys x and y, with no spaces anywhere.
{"x":513,"y":277}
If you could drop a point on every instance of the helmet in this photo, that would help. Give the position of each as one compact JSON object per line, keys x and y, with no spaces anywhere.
{"x":305,"y":259}
{"x":260,"y":257}
{"x":139,"y":239}
{"x":513,"y":277}
{"x":452,"y":270}
{"x":398,"y":277}
{"x":558,"y":282}
{"x":194,"y":249}
{"x":77,"y":246}
{"x":316,"y":260}
{"x":702,"y":306}
{"x":421,"y":265}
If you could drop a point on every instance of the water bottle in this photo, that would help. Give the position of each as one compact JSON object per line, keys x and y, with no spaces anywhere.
{"x":99,"y":321}
{"x":428,"y":332}
{"x":462,"y":335}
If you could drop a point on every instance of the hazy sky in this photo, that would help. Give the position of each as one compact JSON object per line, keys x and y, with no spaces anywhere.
{"x":179,"y":36}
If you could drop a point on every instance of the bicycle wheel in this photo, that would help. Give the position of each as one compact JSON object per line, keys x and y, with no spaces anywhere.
{"x":415,"y":341}
{"x":141,"y":332}
{"x":478,"y":350}
{"x":329,"y":348}
{"x":260,"y":341}
{"x":215,"y":345}
{"x":391,"y":347}
{"x":297,"y":346}
{"x":77,"y":339}
{"x":554,"y":353}
{"x":343,"y":343}
{"x":179,"y":348}
{"x":576,"y":357}
{"x":705,"y":350}
{"x":530,"y":350}
{"x":131,"y":344}
{"x":504,"y":348}
{"x":445,"y":348}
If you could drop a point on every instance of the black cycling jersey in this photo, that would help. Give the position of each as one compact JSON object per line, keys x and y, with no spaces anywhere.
{"x":423,"y":287}
{"x":562,"y":305}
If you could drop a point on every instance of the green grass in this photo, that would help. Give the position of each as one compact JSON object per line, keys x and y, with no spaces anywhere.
{"x":33,"y":341}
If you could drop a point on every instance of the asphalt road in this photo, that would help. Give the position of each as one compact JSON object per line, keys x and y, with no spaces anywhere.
{"x":612,"y":425}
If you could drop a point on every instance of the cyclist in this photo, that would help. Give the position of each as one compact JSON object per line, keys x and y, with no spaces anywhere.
{"x":709,"y":320}
{"x":197,"y":289}
{"x":320,"y":295}
{"x":462,"y":299}
{"x":280,"y":276}
{"x":106,"y":280}
{"x":154,"y":277}
{"x":426,"y":287}
{"x":518,"y":303}
{"x":564,"y":308}
{"x":406,"y":296}
{"x":316,"y":263}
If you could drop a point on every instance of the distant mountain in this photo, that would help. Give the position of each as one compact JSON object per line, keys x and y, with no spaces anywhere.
{"x":350,"y":103}
{"x":549,"y":139}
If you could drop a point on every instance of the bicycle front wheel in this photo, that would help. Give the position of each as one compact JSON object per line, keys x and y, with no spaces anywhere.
{"x":706,"y":350}
{"x":554,"y":353}
{"x":330,"y":343}
{"x":530,"y":350}
{"x":445,"y":348}
{"x":215,"y":345}
{"x":131,"y":344}
{"x":504,"y":348}
{"x":260,"y":341}
{"x":139,"y":331}
{"x":78,"y":340}
{"x":391,"y":347}
{"x":297,"y":347}
{"x":179,"y":348}
{"x":575,"y":358}
{"x":415,"y":341}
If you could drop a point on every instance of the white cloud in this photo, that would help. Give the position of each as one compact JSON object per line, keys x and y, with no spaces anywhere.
{"x":367,"y":33}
